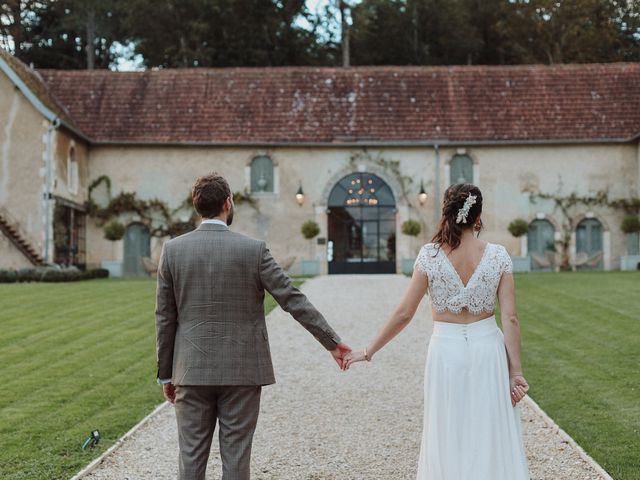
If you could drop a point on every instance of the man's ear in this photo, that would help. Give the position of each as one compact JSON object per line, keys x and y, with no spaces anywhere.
{"x":227,"y":204}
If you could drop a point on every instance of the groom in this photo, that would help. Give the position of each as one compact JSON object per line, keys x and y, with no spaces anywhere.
{"x":211,"y":337}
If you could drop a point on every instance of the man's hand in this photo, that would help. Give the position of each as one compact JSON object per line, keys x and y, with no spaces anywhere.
{"x":169,"y":390}
{"x":339,"y":352}
{"x":352,"y":358}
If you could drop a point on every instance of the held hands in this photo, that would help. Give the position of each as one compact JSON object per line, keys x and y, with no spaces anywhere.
{"x":353,"y":357}
{"x":339,"y":354}
{"x":518,"y":387}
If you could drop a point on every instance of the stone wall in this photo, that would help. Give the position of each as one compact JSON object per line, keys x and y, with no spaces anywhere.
{"x":503,"y":173}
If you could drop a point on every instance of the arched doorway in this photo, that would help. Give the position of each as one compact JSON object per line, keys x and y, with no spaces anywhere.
{"x":589,"y":251}
{"x":137,"y":244}
{"x":362,"y":226}
{"x":541,"y":245}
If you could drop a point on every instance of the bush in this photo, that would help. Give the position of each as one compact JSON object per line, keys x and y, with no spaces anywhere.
{"x":8,"y":276}
{"x":100,"y":273}
{"x":310,"y":229}
{"x":411,"y":228}
{"x":114,"y":231}
{"x":518,"y":227}
{"x":630,"y":224}
{"x":51,"y":274}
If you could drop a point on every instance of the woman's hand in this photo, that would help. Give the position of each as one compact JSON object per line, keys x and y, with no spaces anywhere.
{"x":518,"y":387}
{"x":353,"y":357}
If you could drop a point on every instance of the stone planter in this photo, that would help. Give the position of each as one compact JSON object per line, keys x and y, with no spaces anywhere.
{"x":115,"y":268}
{"x":521,"y":264}
{"x":407,"y":265}
{"x":629,"y":262}
{"x":310,"y":267}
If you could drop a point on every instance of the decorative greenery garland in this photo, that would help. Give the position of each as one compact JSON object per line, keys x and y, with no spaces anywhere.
{"x":391,"y":167}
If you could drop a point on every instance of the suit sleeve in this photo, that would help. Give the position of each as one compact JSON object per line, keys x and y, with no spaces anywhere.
{"x":166,"y":318}
{"x":293,"y":301}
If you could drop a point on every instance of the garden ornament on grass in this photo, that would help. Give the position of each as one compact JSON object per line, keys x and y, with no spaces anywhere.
{"x":92,"y":441}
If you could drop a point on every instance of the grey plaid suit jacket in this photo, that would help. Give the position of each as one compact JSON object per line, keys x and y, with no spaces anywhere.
{"x":210,"y":324}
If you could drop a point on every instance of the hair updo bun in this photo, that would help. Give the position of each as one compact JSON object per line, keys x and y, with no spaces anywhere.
{"x":449,"y":230}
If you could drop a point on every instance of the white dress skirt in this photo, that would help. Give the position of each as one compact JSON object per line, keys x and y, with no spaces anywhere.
{"x":471,"y":431}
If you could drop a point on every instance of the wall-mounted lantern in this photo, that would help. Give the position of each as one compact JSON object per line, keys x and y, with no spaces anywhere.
{"x":300,"y":195}
{"x":422,"y":195}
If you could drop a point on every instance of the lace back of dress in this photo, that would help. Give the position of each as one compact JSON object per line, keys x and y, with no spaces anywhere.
{"x":447,"y":292}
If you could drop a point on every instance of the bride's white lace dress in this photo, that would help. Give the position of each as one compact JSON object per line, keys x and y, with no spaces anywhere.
{"x":471,"y":431}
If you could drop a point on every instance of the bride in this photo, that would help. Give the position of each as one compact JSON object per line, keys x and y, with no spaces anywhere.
{"x":473,"y":376}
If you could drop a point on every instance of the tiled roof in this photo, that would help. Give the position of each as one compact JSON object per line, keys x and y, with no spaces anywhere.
{"x":360,"y":104}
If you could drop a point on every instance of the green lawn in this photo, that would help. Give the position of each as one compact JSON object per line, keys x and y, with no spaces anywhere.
{"x":80,"y":356}
{"x":581,"y":355}
{"x":74,"y":357}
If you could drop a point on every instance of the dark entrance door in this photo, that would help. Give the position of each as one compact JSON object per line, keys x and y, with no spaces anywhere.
{"x":362,"y":226}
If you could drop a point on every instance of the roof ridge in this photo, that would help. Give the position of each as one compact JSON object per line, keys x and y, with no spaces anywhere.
{"x":355,"y":68}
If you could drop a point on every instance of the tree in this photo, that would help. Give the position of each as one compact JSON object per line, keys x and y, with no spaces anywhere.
{"x":221,"y":33}
{"x":450,"y":32}
{"x":63,"y":34}
{"x":577,"y":31}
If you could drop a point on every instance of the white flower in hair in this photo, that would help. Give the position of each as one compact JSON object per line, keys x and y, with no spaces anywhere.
{"x":464,"y":211}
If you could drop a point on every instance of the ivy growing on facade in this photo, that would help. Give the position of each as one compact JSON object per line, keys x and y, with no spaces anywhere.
{"x":161,"y":220}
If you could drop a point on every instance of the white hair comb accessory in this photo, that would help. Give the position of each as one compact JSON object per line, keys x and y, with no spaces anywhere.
{"x":464,"y":211}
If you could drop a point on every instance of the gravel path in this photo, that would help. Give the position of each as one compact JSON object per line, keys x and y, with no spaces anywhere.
{"x":318,"y":423}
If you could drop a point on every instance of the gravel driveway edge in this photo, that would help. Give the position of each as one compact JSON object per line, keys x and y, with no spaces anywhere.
{"x":566,"y":437}
{"x":96,"y":462}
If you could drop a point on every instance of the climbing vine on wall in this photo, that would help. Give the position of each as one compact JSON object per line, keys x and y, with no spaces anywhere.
{"x":389,"y":167}
{"x":156,"y":214}
{"x":565,"y":204}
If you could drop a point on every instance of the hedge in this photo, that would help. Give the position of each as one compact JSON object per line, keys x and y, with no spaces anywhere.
{"x":50,"y":274}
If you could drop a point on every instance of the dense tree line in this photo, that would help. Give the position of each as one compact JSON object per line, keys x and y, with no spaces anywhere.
{"x":79,"y":34}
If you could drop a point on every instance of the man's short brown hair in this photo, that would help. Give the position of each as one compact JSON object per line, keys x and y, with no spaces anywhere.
{"x":209,"y":194}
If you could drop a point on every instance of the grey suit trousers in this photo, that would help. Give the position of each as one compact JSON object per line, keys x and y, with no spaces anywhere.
{"x":235,"y":408}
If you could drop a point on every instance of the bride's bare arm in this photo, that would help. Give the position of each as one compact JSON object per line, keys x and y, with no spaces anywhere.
{"x":511,"y":329}
{"x":510,"y":322}
{"x":400,"y":318}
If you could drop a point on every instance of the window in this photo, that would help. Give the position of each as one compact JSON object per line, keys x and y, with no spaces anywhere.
{"x":72,"y":171}
{"x":262,"y":174}
{"x":461,"y":169}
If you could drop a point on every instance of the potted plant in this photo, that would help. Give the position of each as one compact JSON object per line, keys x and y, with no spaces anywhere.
{"x":412,"y":229}
{"x":310,"y":230}
{"x":519,"y":229}
{"x":113,"y":231}
{"x":631,"y":227}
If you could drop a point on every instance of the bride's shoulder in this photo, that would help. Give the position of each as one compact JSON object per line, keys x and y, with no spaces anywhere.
{"x":497,"y":248}
{"x":429,"y":247}
{"x":501,"y":257}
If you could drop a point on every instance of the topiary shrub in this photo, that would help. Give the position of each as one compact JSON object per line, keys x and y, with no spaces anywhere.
{"x":518,"y":227}
{"x":411,"y":228}
{"x":114,"y":231}
{"x":310,"y":229}
{"x":630,"y":224}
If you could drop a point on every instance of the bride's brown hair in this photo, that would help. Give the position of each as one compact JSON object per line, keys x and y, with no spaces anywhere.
{"x":449,"y":232}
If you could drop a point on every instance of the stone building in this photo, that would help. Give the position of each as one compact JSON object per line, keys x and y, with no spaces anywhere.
{"x":357,"y":150}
